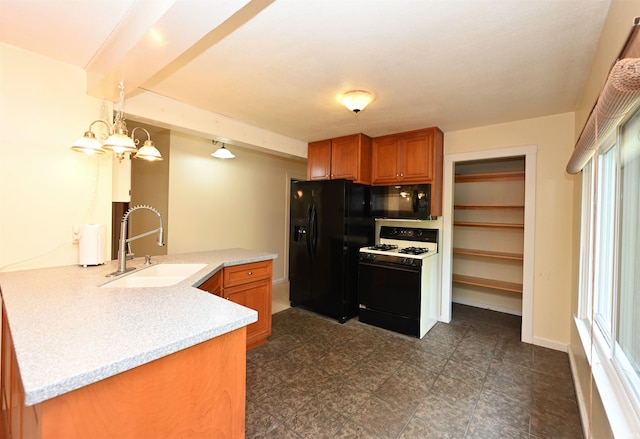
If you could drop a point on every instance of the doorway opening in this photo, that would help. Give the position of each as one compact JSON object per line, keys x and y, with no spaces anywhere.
{"x":488,"y":236}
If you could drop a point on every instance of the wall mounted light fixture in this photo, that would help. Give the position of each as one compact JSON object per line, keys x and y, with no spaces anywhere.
{"x":118,"y":141}
{"x":222,"y":152}
{"x":356,"y":100}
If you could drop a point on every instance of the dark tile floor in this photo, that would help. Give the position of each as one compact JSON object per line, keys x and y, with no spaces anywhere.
{"x":472,"y":378}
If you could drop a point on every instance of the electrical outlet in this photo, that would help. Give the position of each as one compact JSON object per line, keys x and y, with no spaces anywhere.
{"x":75,"y":234}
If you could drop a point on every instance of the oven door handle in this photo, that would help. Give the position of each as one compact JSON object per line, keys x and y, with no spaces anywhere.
{"x":391,"y":266}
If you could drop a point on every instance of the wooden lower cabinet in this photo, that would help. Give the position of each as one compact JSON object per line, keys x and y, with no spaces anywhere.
{"x":198,"y":392}
{"x":213,"y":285}
{"x":247,"y":285}
{"x":250,"y":285}
{"x":256,"y":296}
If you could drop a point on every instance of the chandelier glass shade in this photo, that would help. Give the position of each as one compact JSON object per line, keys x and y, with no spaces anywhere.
{"x":118,"y":140}
{"x":88,"y":143}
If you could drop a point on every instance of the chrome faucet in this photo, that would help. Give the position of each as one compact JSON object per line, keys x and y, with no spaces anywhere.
{"x":124,"y":241}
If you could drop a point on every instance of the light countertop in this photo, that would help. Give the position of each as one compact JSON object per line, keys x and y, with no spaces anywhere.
{"x":68,"y":332}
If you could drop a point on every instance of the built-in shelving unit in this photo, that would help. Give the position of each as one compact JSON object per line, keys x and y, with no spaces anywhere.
{"x":487,"y":206}
{"x":488,"y":234}
{"x":496,"y":225}
{"x":488,"y":283}
{"x":488,"y":254}
{"x":490,"y":176}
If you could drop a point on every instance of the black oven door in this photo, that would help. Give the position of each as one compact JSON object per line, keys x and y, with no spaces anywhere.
{"x":389,"y":288}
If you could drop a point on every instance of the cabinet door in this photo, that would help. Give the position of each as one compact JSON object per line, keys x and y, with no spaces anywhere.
{"x":345,"y":157}
{"x":213,"y":285}
{"x":386,"y":160}
{"x":418,"y":158}
{"x":257,"y":296}
{"x":319,"y":160}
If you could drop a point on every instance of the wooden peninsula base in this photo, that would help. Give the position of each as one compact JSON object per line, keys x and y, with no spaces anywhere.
{"x":198,"y":392}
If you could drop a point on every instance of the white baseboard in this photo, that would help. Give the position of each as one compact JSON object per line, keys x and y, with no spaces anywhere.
{"x":543,"y":342}
{"x":580,"y":394}
{"x":515,"y":312}
{"x":551,"y":344}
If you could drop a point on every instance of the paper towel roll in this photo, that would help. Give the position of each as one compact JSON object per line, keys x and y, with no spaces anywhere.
{"x":91,"y":245}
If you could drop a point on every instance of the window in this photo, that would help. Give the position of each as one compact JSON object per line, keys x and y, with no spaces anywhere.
{"x":628,"y":330}
{"x":610,"y":270}
{"x":603,"y":293}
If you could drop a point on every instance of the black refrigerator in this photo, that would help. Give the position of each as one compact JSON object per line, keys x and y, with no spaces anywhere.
{"x":330,"y":221}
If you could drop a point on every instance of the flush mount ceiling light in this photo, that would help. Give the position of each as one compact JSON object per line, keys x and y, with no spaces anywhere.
{"x":356,"y":100}
{"x":118,"y":141}
{"x":222,"y":152}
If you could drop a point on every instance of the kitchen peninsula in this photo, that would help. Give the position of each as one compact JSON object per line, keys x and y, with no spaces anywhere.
{"x":83,"y":361}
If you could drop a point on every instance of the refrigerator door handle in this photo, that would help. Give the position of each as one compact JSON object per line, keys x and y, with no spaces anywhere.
{"x":314,"y":229}
{"x":309,"y":230}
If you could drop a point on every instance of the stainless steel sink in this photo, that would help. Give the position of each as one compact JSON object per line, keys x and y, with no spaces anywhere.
{"x":160,"y":275}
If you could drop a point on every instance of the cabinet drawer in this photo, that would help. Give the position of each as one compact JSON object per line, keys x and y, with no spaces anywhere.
{"x":242,"y":274}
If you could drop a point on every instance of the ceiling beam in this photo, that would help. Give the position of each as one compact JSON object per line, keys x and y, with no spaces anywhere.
{"x":167,"y":113}
{"x":153,"y":35}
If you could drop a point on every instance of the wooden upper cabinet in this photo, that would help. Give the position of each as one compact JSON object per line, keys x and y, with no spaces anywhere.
{"x":347,"y":157}
{"x":413,"y":157}
{"x":418,"y":157}
{"x":319,"y":160}
{"x":386,"y":159}
{"x":410,"y":157}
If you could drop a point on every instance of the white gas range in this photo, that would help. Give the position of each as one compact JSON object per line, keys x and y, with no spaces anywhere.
{"x":397,"y":280}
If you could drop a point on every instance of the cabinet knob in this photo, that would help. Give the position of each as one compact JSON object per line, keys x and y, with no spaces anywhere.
{"x":250,"y":273}
{"x":401,"y":174}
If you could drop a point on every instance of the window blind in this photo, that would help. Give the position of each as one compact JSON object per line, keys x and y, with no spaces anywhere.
{"x":617,"y":97}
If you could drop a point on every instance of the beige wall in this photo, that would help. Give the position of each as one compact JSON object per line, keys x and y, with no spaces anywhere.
{"x":553,"y":283}
{"x":612,"y":39}
{"x":45,"y":187}
{"x":150,"y":186}
{"x":217,"y":203}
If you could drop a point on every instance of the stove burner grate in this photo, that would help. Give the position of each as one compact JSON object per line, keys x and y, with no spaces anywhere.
{"x":383,"y":247}
{"x":414,"y":250}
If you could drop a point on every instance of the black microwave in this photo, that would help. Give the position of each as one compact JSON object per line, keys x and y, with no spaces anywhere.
{"x":401,"y":201}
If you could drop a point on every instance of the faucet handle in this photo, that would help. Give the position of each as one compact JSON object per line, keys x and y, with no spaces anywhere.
{"x":147,"y":260}
{"x":131,"y":255}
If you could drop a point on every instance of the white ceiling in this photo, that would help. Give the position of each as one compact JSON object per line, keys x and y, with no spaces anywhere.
{"x":282,"y":64}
